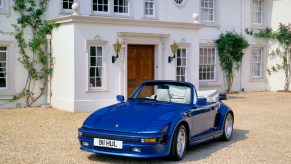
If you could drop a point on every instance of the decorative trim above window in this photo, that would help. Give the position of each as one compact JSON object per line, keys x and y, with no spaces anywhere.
{"x":97,"y":65}
{"x":180,"y":3}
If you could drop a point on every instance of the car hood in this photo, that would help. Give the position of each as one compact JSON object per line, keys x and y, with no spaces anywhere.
{"x":132,"y":117}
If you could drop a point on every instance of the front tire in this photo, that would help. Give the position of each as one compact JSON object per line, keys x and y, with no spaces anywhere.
{"x":179,"y":143}
{"x":227,"y":127}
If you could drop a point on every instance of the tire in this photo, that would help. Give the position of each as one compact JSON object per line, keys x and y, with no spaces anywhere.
{"x":227,"y":127}
{"x":179,"y":143}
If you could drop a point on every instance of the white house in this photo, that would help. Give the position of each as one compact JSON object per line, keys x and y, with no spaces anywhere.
{"x":85,"y":76}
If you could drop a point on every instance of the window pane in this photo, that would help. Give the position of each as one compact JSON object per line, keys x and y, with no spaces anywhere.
{"x":96,"y":63}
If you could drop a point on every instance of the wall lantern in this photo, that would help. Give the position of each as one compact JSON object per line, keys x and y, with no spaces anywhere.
{"x":174,"y":48}
{"x":117,"y":47}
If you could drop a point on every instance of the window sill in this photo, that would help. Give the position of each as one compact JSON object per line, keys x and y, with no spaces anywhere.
{"x":149,"y":18}
{"x":211,"y":24}
{"x":66,"y":12}
{"x":96,"y":90}
{"x":258,"y":27}
{"x":209,"y":84}
{"x":7,"y":92}
{"x":258,"y":80}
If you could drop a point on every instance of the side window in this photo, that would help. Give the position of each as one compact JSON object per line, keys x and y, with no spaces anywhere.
{"x":207,"y":64}
{"x":3,"y":67}
{"x":181,"y":64}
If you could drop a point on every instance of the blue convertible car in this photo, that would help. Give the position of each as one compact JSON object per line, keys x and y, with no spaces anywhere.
{"x":160,"y":118}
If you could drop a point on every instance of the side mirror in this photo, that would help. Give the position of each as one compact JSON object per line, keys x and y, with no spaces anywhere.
{"x":120,"y":98}
{"x":201,"y":101}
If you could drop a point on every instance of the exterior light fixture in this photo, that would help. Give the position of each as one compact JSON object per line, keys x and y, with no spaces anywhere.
{"x":117,"y":47}
{"x":174,"y":48}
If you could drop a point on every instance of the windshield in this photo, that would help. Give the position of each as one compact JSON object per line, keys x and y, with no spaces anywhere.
{"x":164,"y":92}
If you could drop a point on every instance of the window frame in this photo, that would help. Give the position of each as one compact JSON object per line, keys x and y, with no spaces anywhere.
{"x":154,"y":2}
{"x":6,"y":67}
{"x":1,"y":4}
{"x":214,"y":64}
{"x":123,"y":14}
{"x":103,"y":45}
{"x":184,"y":66}
{"x":101,"y":12}
{"x":214,"y":12}
{"x":253,"y":13}
{"x":9,"y":90}
{"x":261,"y":62}
{"x":62,"y":6}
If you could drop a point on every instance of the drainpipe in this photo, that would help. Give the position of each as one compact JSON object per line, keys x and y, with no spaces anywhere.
{"x":242,"y":27}
{"x":49,"y":38}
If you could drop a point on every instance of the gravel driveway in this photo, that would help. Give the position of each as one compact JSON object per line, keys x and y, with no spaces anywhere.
{"x":262,"y":134}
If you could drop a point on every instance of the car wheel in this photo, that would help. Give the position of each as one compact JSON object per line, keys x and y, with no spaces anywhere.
{"x":227,"y":127}
{"x":179,"y":143}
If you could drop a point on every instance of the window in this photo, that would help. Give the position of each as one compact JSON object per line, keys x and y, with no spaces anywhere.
{"x":150,"y":8}
{"x":101,"y":6}
{"x":257,"y":12}
{"x":1,"y":4}
{"x":207,"y":64}
{"x":121,"y":6}
{"x":207,"y":10}
{"x":257,"y":59}
{"x":3,"y":67}
{"x":181,"y":64}
{"x":96,"y":67}
{"x":67,"y":4}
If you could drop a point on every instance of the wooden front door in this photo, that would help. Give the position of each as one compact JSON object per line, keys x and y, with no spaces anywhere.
{"x":140,"y":65}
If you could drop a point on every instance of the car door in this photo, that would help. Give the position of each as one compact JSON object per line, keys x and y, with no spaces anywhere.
{"x":202,"y":119}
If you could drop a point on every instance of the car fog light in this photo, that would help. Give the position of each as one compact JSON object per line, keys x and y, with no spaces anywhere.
{"x":135,"y":149}
{"x":85,"y":143}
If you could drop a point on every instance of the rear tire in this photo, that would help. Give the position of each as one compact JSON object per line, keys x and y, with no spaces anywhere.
{"x":227,"y":127}
{"x":179,"y":143}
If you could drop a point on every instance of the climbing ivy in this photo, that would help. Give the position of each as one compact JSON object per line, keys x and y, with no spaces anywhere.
{"x":36,"y":61}
{"x":230,"y":52}
{"x":283,"y":37}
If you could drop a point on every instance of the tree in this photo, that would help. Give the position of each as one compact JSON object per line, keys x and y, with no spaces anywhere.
{"x":283,"y":37}
{"x":230,"y":52}
{"x":36,"y":61}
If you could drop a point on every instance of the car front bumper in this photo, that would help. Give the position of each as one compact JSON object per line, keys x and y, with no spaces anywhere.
{"x":130,"y":142}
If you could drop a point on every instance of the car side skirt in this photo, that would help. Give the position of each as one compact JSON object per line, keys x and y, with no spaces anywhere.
{"x":205,"y":138}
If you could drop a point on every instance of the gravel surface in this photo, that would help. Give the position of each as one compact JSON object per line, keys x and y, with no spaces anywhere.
{"x":262,"y":134}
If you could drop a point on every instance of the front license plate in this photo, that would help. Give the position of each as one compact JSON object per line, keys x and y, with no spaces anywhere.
{"x":108,"y":143}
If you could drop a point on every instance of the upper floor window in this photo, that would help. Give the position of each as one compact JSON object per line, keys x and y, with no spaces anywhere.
{"x":1,"y":4}
{"x":149,"y":8}
{"x":207,"y":10}
{"x":3,"y":67}
{"x":101,"y":6}
{"x":207,"y":64}
{"x":257,"y":12}
{"x":181,"y":64}
{"x":121,"y":6}
{"x":257,"y":62}
{"x":67,"y":4}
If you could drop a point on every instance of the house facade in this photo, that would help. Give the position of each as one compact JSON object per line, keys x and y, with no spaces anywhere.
{"x":86,"y":77}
